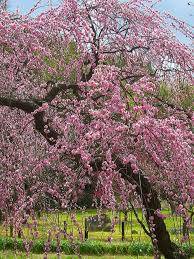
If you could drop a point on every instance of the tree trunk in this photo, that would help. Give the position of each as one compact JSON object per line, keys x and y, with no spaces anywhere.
{"x":151,"y":203}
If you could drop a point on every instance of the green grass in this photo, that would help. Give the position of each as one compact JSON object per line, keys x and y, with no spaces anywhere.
{"x":97,"y":243}
{"x":96,"y":248}
{"x":85,"y":248}
{"x":133,"y":231}
{"x":11,"y":255}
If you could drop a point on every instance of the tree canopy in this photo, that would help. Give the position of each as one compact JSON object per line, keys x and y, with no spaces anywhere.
{"x":96,"y":92}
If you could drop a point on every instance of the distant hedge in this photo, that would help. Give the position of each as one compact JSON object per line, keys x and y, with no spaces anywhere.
{"x":87,"y":247}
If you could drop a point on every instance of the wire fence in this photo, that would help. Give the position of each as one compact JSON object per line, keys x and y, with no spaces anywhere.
{"x":109,"y":226}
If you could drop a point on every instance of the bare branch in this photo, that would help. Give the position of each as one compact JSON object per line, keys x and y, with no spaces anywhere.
{"x":125,"y":50}
{"x":139,"y":221}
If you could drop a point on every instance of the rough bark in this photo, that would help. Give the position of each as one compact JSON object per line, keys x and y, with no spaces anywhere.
{"x":29,"y":107}
{"x":151,"y":203}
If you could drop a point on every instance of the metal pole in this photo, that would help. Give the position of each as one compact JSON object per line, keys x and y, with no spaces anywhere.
{"x":123,"y":230}
{"x":86,"y":230}
{"x":65,"y":228}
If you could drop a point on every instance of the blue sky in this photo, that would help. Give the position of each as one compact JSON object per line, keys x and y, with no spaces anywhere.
{"x":179,"y":8}
{"x":25,"y":5}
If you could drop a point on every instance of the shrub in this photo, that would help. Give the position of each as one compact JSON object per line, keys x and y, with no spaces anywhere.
{"x":89,"y":247}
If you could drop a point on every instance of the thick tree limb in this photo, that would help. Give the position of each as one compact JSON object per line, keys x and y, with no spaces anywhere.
{"x":26,"y":106}
{"x":29,"y":107}
{"x":51,"y":136}
{"x":151,"y":203}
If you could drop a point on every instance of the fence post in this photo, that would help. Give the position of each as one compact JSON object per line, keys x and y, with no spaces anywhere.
{"x":11,"y":230}
{"x":38,"y":214}
{"x":65,"y":228}
{"x":131,"y":225}
{"x":86,"y":230}
{"x":19,"y":233}
{"x":123,"y":230}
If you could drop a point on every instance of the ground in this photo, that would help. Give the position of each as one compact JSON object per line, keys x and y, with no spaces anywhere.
{"x":133,"y":232}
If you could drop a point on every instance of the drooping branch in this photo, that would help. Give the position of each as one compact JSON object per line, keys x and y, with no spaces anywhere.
{"x":29,"y":107}
{"x":139,"y":221}
{"x":50,"y":135}
{"x":151,"y":203}
{"x":135,"y":78}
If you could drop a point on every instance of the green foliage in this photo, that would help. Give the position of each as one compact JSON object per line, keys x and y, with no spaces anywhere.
{"x":69,"y":54}
{"x":65,"y":247}
{"x":164,"y":92}
{"x":150,"y":68}
{"x":12,"y":255}
{"x":184,"y":95}
{"x":38,"y":247}
{"x":187,"y":97}
{"x":120,"y":61}
{"x":89,"y":247}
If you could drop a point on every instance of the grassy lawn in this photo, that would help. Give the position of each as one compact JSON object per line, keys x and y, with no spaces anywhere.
{"x":133,"y":231}
{"x":11,"y":255}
